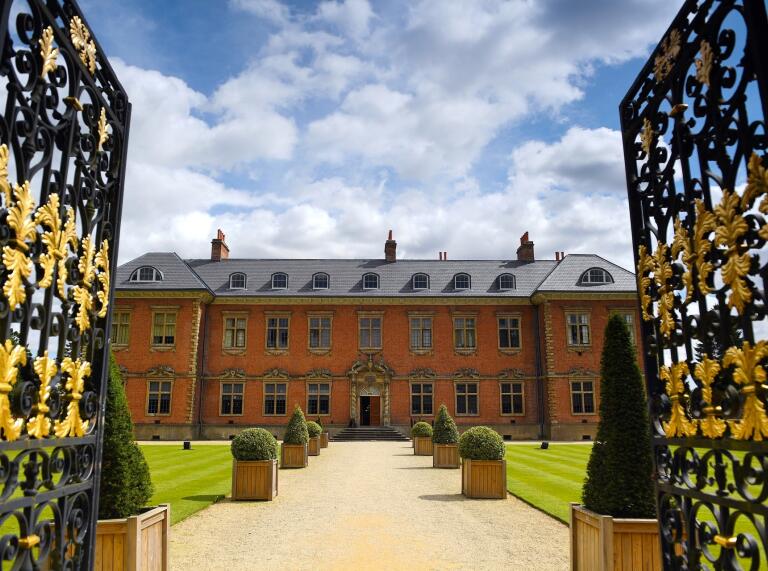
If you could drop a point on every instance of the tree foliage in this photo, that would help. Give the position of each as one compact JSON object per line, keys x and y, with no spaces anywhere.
{"x":422,"y":429}
{"x":314,"y":429}
{"x":445,"y":431}
{"x":296,"y":432}
{"x":619,"y":473}
{"x":481,"y":443}
{"x":254,"y":444}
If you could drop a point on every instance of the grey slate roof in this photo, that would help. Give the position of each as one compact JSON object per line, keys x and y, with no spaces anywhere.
{"x":394,"y":278}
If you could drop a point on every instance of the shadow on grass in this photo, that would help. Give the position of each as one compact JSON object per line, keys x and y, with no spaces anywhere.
{"x":443,"y":497}
{"x":208,"y":498}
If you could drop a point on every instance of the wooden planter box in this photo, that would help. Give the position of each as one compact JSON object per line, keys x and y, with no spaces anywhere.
{"x":314,"y":446}
{"x":254,"y":479}
{"x":445,"y":456}
{"x":294,"y":456}
{"x":484,"y":478}
{"x":324,"y":440}
{"x":137,"y":543}
{"x":422,"y":445}
{"x":603,"y":543}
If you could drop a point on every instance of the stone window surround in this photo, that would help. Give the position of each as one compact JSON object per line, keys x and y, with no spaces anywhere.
{"x":160,"y":392}
{"x":233,"y":315}
{"x":521,"y":393}
{"x":169,"y":309}
{"x":222,"y":382}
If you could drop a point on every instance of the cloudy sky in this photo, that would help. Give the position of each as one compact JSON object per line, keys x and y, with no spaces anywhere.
{"x":310,"y":129}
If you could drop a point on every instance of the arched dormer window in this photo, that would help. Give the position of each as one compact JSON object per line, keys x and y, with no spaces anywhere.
{"x":279,"y":281}
{"x":146,"y":274}
{"x":420,"y":281}
{"x":237,"y":280}
{"x":371,"y":281}
{"x":595,"y":276}
{"x":462,"y":281}
{"x":506,"y":281}
{"x":321,"y":280}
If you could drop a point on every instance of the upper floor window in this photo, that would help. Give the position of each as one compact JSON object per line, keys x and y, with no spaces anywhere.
{"x":321,"y":281}
{"x":146,"y":274}
{"x":279,"y":281}
{"x":509,"y":332}
{"x":164,"y":328}
{"x":237,"y":281}
{"x":420,"y":281}
{"x":461,"y":281}
{"x":595,"y":276}
{"x":277,"y":332}
{"x":234,"y":332}
{"x":121,"y":321}
{"x":370,"y":333}
{"x":421,"y":333}
{"x":578,"y":329}
{"x":464,"y":336}
{"x":371,"y":281}
{"x":506,"y":281}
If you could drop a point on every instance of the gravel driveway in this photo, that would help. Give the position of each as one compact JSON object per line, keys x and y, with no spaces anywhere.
{"x":370,"y":505}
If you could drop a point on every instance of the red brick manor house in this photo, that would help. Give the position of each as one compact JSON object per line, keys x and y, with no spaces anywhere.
{"x":211,"y":346}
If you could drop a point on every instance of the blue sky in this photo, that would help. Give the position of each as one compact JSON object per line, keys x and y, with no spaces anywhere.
{"x":309,"y":129}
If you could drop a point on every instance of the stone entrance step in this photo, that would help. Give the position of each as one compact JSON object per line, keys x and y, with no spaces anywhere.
{"x":362,"y":433}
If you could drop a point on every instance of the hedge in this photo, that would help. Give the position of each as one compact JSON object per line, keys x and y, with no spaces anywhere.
{"x":481,"y":443}
{"x":421,"y":429}
{"x":445,"y":431}
{"x":296,"y":432}
{"x":254,"y":444}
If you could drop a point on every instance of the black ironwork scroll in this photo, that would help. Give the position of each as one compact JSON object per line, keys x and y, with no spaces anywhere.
{"x":696,"y":157}
{"x":63,"y":138}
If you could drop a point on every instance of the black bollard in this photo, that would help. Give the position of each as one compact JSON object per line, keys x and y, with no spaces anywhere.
{"x":187,"y":445}
{"x":544,"y":445}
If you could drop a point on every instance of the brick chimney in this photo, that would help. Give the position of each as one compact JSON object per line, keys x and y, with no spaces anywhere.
{"x":219,"y":248}
{"x":525,"y":251}
{"x":390,"y":249}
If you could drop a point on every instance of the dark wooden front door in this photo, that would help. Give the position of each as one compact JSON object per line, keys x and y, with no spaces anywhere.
{"x":365,"y":411}
{"x":375,"y":411}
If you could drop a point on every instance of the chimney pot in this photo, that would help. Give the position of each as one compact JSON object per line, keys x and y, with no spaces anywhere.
{"x":390,"y":249}
{"x":445,"y":255}
{"x":557,"y":256}
{"x":525,"y":250}
{"x":219,"y":248}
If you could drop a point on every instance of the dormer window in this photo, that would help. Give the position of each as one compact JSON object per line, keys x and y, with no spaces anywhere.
{"x":146,"y":274}
{"x":321,"y":281}
{"x":462,"y":281}
{"x":595,"y":276}
{"x":279,"y":281}
{"x":371,"y":281}
{"x":506,"y":281}
{"x":420,"y":281}
{"x":237,"y":281}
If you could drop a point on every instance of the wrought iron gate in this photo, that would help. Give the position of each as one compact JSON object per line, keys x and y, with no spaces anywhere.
{"x":63,"y":139}
{"x":695,"y":150}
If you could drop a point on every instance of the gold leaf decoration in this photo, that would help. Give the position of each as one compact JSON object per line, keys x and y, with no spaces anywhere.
{"x":15,"y":258}
{"x":40,"y":425}
{"x":73,"y":424}
{"x":679,"y":424}
{"x":757,"y":184}
{"x":706,"y":372}
{"x":56,"y":238}
{"x":102,"y":263}
{"x":705,"y":223}
{"x":646,"y":136}
{"x":103,"y":128}
{"x":662,"y":271}
{"x":82,"y":292}
{"x":48,"y":52}
{"x":682,"y":244}
{"x":704,"y":63}
{"x":731,"y":227}
{"x":644,"y":265}
{"x":11,"y":356}
{"x":81,"y":39}
{"x":750,"y":374}
{"x":665,"y":60}
{"x":5,"y":186}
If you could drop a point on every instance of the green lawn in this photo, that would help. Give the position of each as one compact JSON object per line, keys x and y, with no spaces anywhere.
{"x":548,"y":479}
{"x":189,"y":480}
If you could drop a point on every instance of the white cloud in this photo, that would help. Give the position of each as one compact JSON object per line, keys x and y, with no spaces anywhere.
{"x":351,"y":16}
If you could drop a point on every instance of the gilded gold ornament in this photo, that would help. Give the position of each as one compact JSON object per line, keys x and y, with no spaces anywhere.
{"x":704,"y":63}
{"x":103,"y":129}
{"x":681,"y":244}
{"x":73,"y":424}
{"x":750,"y":374}
{"x":11,"y":356}
{"x":16,"y":258}
{"x":662,"y":271}
{"x":705,"y":223}
{"x":679,"y":424}
{"x":646,"y":136}
{"x":56,"y":238}
{"x":706,"y":372}
{"x":644,"y":265}
{"x":47,"y":52}
{"x":82,"y":292}
{"x":5,"y":186}
{"x":665,"y":60}
{"x":731,"y":228}
{"x":81,"y":39}
{"x":102,"y":264}
{"x":40,"y":425}
{"x":29,"y":541}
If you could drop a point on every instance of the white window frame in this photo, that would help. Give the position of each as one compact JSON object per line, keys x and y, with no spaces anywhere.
{"x":461,"y":275}
{"x":279,"y":274}
{"x":419,"y":275}
{"x":327,"y":278}
{"x":371,"y":274}
{"x":586,"y":277}
{"x":579,"y":324}
{"x":237,"y":275}
{"x":510,"y":276}
{"x":157,"y":275}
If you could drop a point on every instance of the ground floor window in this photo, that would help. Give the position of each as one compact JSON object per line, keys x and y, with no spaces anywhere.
{"x":466,"y":398}
{"x":421,"y":398}
{"x":159,"y":397}
{"x":583,"y":397}
{"x":512,"y":398}
{"x":231,"y":398}
{"x":319,"y":398}
{"x":274,"y":399}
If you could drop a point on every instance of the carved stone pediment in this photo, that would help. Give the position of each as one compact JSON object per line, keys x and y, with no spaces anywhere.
{"x":233,"y":374}
{"x":466,"y":373}
{"x":370,"y":365}
{"x":276,"y":373}
{"x":582,"y":372}
{"x":319,"y":374}
{"x":422,"y":373}
{"x":512,"y":374}
{"x":161,"y":371}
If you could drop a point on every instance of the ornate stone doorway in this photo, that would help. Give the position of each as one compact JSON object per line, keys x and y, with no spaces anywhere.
{"x":369,"y":403}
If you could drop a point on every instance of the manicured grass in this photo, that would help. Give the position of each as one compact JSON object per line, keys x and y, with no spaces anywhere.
{"x":548,"y":479}
{"x":189,"y":480}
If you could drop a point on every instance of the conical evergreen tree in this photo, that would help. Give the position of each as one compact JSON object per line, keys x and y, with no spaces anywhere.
{"x":125,"y":484}
{"x":620,"y":467}
{"x":296,"y":432}
{"x":445,"y":431}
